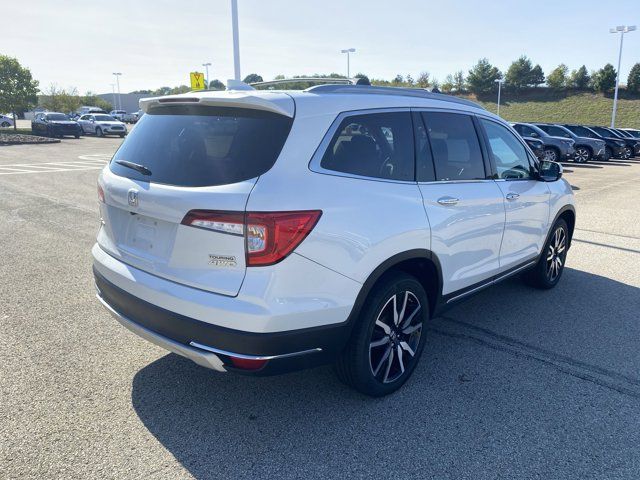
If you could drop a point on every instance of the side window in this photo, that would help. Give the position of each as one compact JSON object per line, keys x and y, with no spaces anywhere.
{"x":509,"y":155}
{"x":556,"y":132}
{"x":373,"y":145}
{"x":454,"y":146}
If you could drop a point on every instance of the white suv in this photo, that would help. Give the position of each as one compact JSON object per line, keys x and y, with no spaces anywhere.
{"x":265,"y":231}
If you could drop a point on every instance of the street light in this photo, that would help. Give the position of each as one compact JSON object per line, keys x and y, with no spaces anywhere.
{"x":236,"y":41}
{"x":207,"y":65}
{"x":622,"y":29}
{"x":499,"y":81}
{"x":113,"y":93}
{"x":348,"y":51}
{"x":117,"y":74}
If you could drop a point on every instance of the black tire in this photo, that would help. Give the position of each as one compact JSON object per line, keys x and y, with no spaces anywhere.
{"x":77,"y":136}
{"x":122,"y":135}
{"x":5,"y":124}
{"x":551,"y":154}
{"x":608,"y":153}
{"x":366,"y":368}
{"x":548,"y":271}
{"x":582,"y":155}
{"x":627,"y":153}
{"x":99,"y":132}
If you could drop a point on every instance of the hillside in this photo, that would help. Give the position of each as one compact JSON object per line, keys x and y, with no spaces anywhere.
{"x":574,"y":107}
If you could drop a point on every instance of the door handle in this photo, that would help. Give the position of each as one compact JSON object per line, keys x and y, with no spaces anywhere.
{"x":512,"y":196}
{"x":448,"y":201}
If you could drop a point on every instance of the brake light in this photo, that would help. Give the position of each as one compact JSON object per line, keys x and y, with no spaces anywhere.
{"x":248,"y":363}
{"x":100,"y":194}
{"x":270,"y":236}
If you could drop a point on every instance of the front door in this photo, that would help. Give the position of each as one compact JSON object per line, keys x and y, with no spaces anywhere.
{"x":526,"y":199}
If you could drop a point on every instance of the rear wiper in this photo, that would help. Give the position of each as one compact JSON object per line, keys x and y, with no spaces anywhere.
{"x":135,"y":166}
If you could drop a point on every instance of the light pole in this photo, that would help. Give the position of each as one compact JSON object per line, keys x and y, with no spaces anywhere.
{"x":499,"y":81}
{"x":207,"y":65}
{"x":113,"y":93}
{"x":117,"y":74}
{"x":236,"y":41}
{"x":622,"y":29}
{"x":348,"y":51}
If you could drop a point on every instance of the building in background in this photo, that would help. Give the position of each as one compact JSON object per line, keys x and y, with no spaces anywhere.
{"x":129,"y":101}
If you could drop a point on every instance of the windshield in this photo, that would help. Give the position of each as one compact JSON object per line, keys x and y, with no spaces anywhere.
{"x":582,"y":131}
{"x":197,"y":146}
{"x":104,"y":118}
{"x":57,"y":116}
{"x":603,"y":131}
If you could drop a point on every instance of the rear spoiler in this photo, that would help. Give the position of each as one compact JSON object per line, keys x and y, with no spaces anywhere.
{"x":275,"y":102}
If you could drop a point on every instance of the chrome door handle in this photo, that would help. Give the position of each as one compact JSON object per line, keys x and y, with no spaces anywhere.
{"x":448,"y":201}
{"x":512,"y":196}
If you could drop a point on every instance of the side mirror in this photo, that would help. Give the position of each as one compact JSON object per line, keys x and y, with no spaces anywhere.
{"x":550,"y":171}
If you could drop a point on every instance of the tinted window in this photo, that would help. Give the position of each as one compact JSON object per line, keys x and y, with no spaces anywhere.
{"x":373,"y":145}
{"x":197,"y":146}
{"x":57,"y":116}
{"x":509,"y":155}
{"x":104,"y":118}
{"x":556,"y":131}
{"x":454,"y":146}
{"x":582,"y":131}
{"x":526,"y":131}
{"x":602,"y":131}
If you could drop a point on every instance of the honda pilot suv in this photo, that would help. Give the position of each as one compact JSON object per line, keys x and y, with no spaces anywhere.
{"x":261,"y":232}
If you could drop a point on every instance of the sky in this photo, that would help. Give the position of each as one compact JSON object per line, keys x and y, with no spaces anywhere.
{"x":154,"y":43}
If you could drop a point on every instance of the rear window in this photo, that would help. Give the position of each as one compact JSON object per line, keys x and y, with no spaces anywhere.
{"x":198,"y":146}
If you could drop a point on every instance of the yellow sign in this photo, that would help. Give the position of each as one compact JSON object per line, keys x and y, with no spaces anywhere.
{"x":197,"y":81}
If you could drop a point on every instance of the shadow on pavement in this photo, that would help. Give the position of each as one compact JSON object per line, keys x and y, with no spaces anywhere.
{"x":469,"y":411}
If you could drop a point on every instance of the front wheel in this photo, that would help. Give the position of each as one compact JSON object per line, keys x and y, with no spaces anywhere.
{"x":547,"y":272}
{"x":608,"y":153}
{"x":388,"y":338}
{"x":551,"y":155}
{"x":99,"y":132}
{"x":627,"y":153}
{"x":583,"y":155}
{"x":5,"y":124}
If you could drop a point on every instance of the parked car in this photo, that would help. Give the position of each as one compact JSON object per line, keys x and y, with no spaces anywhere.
{"x":633,"y":132}
{"x":536,"y":145}
{"x":398,"y":204}
{"x":629,"y":145}
{"x":101,"y":125}
{"x":55,"y":124}
{"x":130,"y":117}
{"x":586,"y":148}
{"x":631,"y":141}
{"x":118,"y":114}
{"x":614,"y":147}
{"x":6,"y":121}
{"x":84,"y":110}
{"x":556,"y":149}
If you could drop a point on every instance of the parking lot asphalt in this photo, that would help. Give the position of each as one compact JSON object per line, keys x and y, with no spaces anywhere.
{"x":514,"y":383}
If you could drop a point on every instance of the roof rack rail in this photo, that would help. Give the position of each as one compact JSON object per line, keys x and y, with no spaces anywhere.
{"x":323,"y":80}
{"x":407,"y":92}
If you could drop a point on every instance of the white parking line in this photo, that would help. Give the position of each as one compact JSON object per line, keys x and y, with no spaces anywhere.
{"x":92,"y":163}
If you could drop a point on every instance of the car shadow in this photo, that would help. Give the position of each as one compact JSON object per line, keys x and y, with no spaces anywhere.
{"x":459,"y":410}
{"x":612,"y":163}
{"x":578,"y":165}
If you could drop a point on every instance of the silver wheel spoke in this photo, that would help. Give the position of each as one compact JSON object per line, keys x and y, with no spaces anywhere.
{"x":379,"y":343}
{"x":412,"y":328}
{"x":399,"y":350}
{"x":405,"y":346}
{"x":382,"y":360}
{"x":404,"y":307}
{"x":395,"y":309}
{"x":383,"y":326}
{"x":410,"y":318}
{"x":389,"y":362}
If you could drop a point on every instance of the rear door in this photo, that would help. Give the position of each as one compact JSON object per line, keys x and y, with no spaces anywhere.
{"x":526,"y":198}
{"x":464,"y":206}
{"x":199,"y":159}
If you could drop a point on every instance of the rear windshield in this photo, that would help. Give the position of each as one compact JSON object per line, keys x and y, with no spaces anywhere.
{"x":198,"y":146}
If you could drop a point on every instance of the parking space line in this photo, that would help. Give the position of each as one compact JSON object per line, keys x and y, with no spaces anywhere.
{"x":24,"y":172}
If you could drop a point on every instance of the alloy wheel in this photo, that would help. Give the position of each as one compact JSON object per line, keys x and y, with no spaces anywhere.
{"x":582,"y":155}
{"x":626,"y":153}
{"x":550,"y":155}
{"x":556,"y":254}
{"x":395,"y":338}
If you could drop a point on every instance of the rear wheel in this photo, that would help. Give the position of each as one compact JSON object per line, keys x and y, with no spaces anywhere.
{"x":389,"y":337}
{"x":608,"y":153}
{"x":583,"y":155}
{"x":5,"y":124}
{"x":547,"y":272}
{"x":99,"y":132}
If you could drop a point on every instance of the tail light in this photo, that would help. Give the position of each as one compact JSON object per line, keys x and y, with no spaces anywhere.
{"x":100,"y":194}
{"x":269,"y":236}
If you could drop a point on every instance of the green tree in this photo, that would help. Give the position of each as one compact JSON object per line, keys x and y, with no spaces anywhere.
{"x":605,"y":79}
{"x":580,"y":78}
{"x":458,"y":81}
{"x":519,"y":73}
{"x":216,"y":85}
{"x":537,"y":76}
{"x":180,"y":89}
{"x":57,"y":99}
{"x":423,"y":80}
{"x":18,"y":89}
{"x":557,"y":79}
{"x":162,"y":91}
{"x":93,"y":100}
{"x":398,"y":80}
{"x":633,"y":81}
{"x":447,"y":85}
{"x":409,"y":80}
{"x":253,"y":78}
{"x":482,"y":77}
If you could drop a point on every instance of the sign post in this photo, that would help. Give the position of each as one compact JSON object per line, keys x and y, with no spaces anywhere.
{"x":197,"y":81}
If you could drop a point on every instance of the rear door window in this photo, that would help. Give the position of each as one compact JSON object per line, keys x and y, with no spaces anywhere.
{"x":378,"y":145}
{"x":454,"y":146}
{"x":197,"y":146}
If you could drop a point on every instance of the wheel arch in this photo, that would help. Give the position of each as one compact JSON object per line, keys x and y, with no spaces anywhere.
{"x":568,"y":214}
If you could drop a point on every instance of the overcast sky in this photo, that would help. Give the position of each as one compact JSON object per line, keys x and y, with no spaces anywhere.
{"x":157,"y":43}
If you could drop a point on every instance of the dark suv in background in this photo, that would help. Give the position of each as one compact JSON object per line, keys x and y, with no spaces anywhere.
{"x":556,"y":149}
{"x":586,"y":148}
{"x":54,"y":124}
{"x":614,"y":147}
{"x":631,"y":141}
{"x":628,"y":149}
